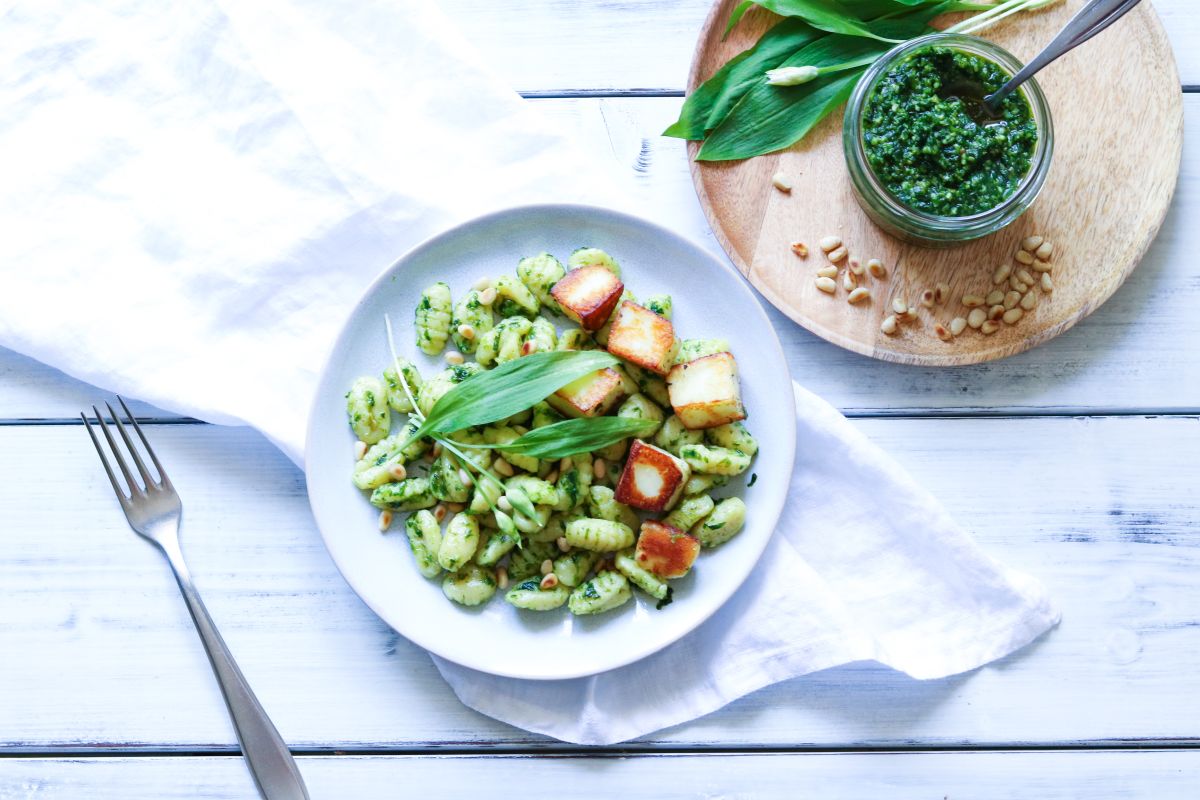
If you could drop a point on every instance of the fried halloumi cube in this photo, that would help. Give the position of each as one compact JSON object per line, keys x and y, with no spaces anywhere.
{"x":642,"y":337}
{"x":592,"y":395}
{"x":665,"y":550}
{"x":588,"y":296}
{"x":705,"y":393}
{"x":653,"y":479}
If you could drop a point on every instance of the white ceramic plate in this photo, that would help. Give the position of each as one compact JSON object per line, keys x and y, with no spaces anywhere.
{"x":710,"y":300}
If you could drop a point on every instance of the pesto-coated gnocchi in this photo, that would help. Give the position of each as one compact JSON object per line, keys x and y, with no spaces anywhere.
{"x":433,"y":319}
{"x":584,"y":519}
{"x":459,"y":542}
{"x":600,"y":535}
{"x":725,"y":522}
{"x":606,"y":591}
{"x":473,"y":586}
{"x":366,"y":405}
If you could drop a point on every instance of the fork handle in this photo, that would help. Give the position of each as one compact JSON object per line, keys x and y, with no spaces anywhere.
{"x":271,"y":763}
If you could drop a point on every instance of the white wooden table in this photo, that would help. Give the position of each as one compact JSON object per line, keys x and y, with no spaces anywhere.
{"x":1076,"y":462}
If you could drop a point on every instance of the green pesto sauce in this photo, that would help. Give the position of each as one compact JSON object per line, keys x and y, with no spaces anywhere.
{"x":928,"y":152}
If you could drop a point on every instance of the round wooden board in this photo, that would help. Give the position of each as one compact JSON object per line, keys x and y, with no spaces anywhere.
{"x":1118,"y":116}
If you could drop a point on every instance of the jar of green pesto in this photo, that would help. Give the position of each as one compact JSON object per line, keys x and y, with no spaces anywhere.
{"x":923,"y":166}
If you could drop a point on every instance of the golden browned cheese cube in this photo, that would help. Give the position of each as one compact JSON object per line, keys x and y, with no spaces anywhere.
{"x":705,"y":393}
{"x":652,"y":479}
{"x":642,"y":337}
{"x":665,"y":550}
{"x":590,"y":396}
{"x":588,"y":296}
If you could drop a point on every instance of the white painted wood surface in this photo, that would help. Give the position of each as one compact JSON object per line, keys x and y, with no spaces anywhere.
{"x":104,"y":691}
{"x":1096,"y":775}
{"x":1102,"y":509}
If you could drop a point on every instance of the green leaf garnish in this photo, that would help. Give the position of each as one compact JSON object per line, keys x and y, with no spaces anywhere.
{"x":574,"y":436}
{"x":509,"y":389}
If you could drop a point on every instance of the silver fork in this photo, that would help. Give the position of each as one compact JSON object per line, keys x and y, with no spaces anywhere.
{"x":154,"y":510}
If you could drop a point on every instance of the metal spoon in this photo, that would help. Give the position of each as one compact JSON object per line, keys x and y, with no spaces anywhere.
{"x":1091,"y":19}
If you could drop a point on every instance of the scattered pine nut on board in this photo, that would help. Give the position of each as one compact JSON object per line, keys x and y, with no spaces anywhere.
{"x":1101,"y":189}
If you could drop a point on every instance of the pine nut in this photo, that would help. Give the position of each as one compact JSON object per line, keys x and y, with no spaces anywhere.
{"x":599,"y":467}
{"x":827,"y":285}
{"x":503,"y":467}
{"x":958,"y":324}
{"x":1042,"y":266}
{"x":972,"y":300}
{"x":800,"y":249}
{"x":436,"y":452}
{"x":989,"y":327}
{"x":501,"y":578}
{"x":942,"y":333}
{"x":927,"y":298}
{"x":465,"y":478}
{"x":439,"y":512}
{"x":1016,"y":284}
{"x":551,"y":476}
{"x":503,"y":503}
{"x":549,"y":582}
{"x":385,"y":519}
{"x":996,"y":312}
{"x":837,"y":254}
{"x":456,"y":508}
{"x":1011,"y":299}
{"x":976,"y":317}
{"x":466,"y":332}
{"x":565,"y":464}
{"x":782,"y":182}
{"x":858,"y":295}
{"x":1047,"y":284}
{"x":856,"y":266}
{"x":1001,"y":274}
{"x":1012,"y":315}
{"x":941,"y":292}
{"x":889,"y":325}
{"x":827,"y":271}
{"x":877,"y":269}
{"x":995,"y":297}
{"x":1044,"y":250}
{"x":360,"y":450}
{"x":1031,"y":243}
{"x":908,"y":316}
{"x":898,"y":305}
{"x":482,"y":284}
{"x":397,"y":472}
{"x":1030,"y":300}
{"x":547,"y":567}
{"x":562,"y":543}
{"x":487,"y":296}
{"x":848,"y":281}
{"x":454,"y":357}
{"x":831,"y":243}
{"x":1025,"y":277}
{"x":1024,"y":257}
{"x":528,"y":348}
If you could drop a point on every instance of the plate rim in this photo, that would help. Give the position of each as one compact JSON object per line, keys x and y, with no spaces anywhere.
{"x":774,"y":345}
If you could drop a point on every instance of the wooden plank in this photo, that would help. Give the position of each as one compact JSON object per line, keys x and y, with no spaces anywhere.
{"x":1103,"y":510}
{"x":1097,"y":775}
{"x":1134,"y":353}
{"x":572,"y":45}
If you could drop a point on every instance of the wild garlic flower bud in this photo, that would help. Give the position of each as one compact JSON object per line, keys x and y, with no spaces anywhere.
{"x":791,"y":76}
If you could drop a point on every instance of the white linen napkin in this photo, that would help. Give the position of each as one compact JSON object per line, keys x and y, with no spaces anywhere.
{"x":195,"y":194}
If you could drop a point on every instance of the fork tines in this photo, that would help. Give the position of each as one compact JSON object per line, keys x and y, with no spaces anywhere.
{"x":148,"y":481}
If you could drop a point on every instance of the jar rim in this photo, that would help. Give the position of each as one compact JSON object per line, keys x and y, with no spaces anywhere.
{"x":1030,"y":184}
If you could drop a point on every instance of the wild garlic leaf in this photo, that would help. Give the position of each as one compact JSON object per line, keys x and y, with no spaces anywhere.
{"x":574,"y":436}
{"x":509,"y":389}
{"x":711,"y":101}
{"x":736,"y":15}
{"x":828,"y":15}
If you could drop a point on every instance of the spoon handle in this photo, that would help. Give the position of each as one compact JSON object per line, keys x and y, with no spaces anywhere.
{"x":1091,"y":19}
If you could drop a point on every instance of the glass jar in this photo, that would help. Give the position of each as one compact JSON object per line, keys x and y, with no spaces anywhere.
{"x":929,"y":229}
